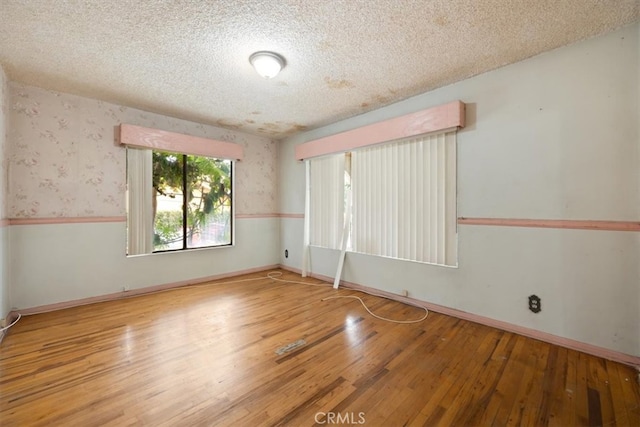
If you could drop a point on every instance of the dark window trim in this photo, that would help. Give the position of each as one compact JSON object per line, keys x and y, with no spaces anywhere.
{"x":184,"y":209}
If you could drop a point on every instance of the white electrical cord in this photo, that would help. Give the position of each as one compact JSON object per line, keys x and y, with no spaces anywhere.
{"x":274,"y":275}
{"x":12,"y":323}
{"x":426,"y":312}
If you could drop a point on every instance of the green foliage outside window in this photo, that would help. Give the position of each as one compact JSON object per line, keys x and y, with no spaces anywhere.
{"x":206,"y":182}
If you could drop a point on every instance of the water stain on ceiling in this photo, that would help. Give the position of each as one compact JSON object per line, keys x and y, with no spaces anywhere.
{"x":190,"y":59}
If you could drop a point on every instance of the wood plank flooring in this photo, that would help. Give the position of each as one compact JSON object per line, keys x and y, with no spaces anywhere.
{"x":206,"y":355}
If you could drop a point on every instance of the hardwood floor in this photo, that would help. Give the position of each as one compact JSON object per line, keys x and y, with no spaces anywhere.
{"x":206,"y":355}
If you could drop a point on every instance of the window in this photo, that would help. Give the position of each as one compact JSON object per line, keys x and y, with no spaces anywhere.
{"x":402,"y":195}
{"x":179,"y":190}
{"x":192,"y":201}
{"x":177,"y":201}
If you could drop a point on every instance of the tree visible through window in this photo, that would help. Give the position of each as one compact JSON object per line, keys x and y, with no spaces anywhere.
{"x":191,"y":201}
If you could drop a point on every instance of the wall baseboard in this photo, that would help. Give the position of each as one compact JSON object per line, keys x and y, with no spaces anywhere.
{"x":591,"y":349}
{"x":136,"y":292}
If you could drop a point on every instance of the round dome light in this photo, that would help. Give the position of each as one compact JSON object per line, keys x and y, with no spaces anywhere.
{"x":267,"y":64}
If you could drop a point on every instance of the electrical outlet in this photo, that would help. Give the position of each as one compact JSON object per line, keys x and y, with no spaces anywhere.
{"x":405,"y":293}
{"x":535,"y":304}
{"x":286,"y":253}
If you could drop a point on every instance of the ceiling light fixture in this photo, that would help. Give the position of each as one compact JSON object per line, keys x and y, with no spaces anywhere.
{"x":267,"y":64}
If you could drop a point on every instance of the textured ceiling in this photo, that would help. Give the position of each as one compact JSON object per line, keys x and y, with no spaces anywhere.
{"x":189,"y":59}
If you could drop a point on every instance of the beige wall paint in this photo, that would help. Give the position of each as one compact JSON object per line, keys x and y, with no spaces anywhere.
{"x":552,"y":137}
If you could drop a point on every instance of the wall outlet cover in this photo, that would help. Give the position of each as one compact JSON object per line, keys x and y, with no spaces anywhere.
{"x":535,"y":304}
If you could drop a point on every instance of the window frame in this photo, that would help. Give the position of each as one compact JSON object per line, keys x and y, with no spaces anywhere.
{"x":133,"y":220}
{"x":185,"y":210}
{"x":143,"y":139}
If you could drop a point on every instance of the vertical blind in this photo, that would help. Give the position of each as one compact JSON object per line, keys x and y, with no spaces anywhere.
{"x":139,"y":201}
{"x":326,"y":211}
{"x":404,"y":200}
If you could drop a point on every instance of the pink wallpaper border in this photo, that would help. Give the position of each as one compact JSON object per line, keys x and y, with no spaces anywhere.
{"x":292,"y":215}
{"x":103,"y":219}
{"x":61,"y":220}
{"x":274,"y":215}
{"x":258,"y":215}
{"x":554,"y":223}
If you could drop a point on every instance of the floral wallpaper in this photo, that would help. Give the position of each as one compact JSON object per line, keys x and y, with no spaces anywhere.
{"x":64,"y":160}
{"x":3,"y":145}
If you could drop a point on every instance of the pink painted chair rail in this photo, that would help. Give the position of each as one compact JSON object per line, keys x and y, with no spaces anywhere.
{"x":554,"y":223}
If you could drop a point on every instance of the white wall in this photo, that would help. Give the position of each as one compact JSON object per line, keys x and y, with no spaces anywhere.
{"x":552,"y":137}
{"x":64,"y":163}
{"x":5,"y":304}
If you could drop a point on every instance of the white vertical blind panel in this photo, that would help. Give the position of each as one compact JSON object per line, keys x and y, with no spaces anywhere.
{"x":404,"y":200}
{"x":139,"y":201}
{"x":326,"y":209}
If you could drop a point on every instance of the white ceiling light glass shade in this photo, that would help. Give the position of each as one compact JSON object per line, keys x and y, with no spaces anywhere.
{"x":267,"y":64}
